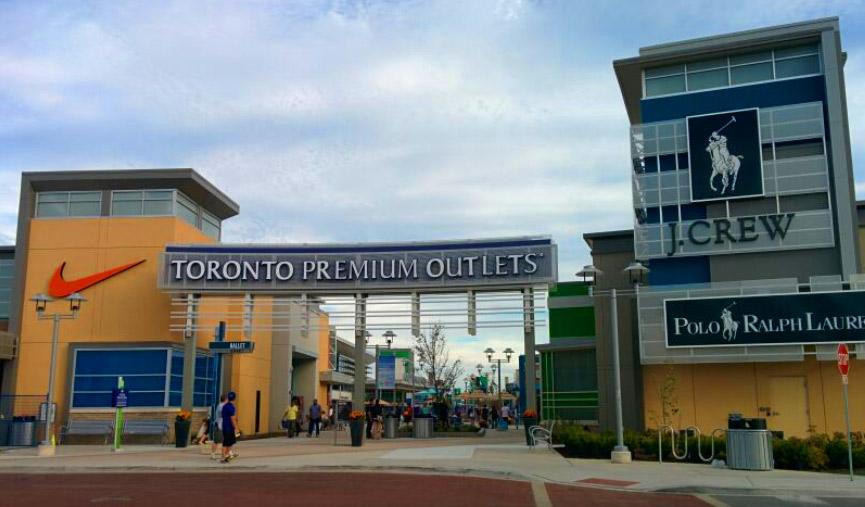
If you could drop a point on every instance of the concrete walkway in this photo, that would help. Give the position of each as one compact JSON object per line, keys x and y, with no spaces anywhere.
{"x":498,"y":454}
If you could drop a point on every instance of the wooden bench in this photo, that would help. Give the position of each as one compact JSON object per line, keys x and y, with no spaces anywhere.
{"x":147,"y":427}
{"x":87,"y":427}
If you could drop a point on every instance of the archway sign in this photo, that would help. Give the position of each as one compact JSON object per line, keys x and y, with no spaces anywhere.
{"x":367,"y":269}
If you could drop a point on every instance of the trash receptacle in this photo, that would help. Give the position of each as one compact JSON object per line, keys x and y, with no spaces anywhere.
{"x":423,"y":427}
{"x":23,"y":431}
{"x":390,"y":424}
{"x":749,"y":444}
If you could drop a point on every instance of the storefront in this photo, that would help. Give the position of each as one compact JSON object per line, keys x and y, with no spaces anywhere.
{"x":743,"y":199}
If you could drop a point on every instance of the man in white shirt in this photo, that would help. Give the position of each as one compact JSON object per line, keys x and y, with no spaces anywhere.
{"x":506,"y":413}
{"x":216,"y":446}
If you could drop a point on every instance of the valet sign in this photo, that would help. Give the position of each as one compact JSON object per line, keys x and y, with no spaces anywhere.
{"x":787,"y":319}
{"x":308,"y":268}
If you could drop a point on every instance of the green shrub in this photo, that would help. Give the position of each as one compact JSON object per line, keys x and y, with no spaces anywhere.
{"x":817,"y":452}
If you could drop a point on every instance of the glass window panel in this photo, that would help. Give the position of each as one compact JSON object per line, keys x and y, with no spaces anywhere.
{"x":88,"y":400}
{"x":157,"y":207}
{"x":762,"y":56}
{"x":668,"y":162}
{"x":795,"y":149}
{"x":210,"y":229}
{"x":53,"y":196}
{"x":797,"y":66}
{"x":126,"y":208}
{"x":683,"y":160}
{"x":52,"y":209}
{"x":174,"y":399}
{"x":707,"y":79}
{"x":807,"y":49}
{"x":714,"y":63}
{"x":158,"y":195}
{"x":177,"y":363}
{"x":144,"y":399}
{"x":85,"y":196}
{"x":85,"y":383}
{"x":665,"y":71}
{"x":751,"y":73}
{"x":176,"y":383}
{"x":145,"y":383}
{"x":650,"y":164}
{"x":187,"y":214}
{"x":665,"y":85}
{"x":135,"y":195}
{"x":767,"y":152}
{"x":120,"y":362}
{"x":85,"y":209}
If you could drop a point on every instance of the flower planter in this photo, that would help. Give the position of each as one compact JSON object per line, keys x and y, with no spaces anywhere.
{"x":356,"y":427}
{"x":528,"y":422}
{"x":181,"y":433}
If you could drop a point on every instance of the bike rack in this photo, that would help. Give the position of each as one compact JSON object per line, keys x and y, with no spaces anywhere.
{"x":684,"y":455}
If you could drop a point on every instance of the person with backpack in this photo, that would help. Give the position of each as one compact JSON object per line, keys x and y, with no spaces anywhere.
{"x":230,"y":429}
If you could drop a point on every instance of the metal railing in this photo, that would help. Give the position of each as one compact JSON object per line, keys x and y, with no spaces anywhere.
{"x":673,"y":447}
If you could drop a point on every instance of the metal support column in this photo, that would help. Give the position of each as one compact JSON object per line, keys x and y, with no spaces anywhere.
{"x":359,"y":396}
{"x":186,"y":402}
{"x":528,"y":390}
{"x":620,"y":453}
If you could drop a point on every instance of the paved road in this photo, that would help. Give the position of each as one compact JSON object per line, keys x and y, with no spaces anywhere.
{"x":331,"y":489}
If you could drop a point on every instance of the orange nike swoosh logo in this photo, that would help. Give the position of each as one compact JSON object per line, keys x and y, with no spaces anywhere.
{"x":60,"y":288}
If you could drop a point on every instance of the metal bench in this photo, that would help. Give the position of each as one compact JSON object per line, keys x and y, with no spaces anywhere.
{"x":152,"y":427}
{"x":543,"y":435}
{"x":87,"y":427}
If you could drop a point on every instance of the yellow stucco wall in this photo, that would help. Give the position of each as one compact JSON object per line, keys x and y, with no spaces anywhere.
{"x":704,"y":394}
{"x":123,"y":309}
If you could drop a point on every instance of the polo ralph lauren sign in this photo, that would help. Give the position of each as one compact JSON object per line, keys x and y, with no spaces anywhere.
{"x":508,"y":262}
{"x":725,"y":155}
{"x":784,"y":319}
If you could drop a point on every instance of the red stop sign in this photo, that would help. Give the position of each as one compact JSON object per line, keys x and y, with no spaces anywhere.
{"x":843,"y":359}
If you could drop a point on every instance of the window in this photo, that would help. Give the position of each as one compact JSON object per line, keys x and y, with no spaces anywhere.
{"x":204,"y":380}
{"x":210,"y":225}
{"x":142,"y":202}
{"x":800,"y":148}
{"x":7,"y":268}
{"x":68,"y":204}
{"x":144,"y":371}
{"x":739,"y":69}
{"x":187,"y":210}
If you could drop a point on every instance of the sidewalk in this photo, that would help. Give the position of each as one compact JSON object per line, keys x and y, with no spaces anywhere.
{"x":498,"y":454}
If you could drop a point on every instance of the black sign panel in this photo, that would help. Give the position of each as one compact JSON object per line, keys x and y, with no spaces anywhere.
{"x":725,"y":155}
{"x":788,"y":319}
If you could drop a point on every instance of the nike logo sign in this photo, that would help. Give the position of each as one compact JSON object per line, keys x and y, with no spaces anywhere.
{"x":60,"y":288}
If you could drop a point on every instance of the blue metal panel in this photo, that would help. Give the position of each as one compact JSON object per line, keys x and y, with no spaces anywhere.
{"x":679,"y":270}
{"x":771,"y":94}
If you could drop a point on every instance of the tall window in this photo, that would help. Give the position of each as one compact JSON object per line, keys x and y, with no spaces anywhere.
{"x":210,"y":225}
{"x":187,"y":210}
{"x":68,"y":204}
{"x":7,"y":268}
{"x":739,"y":69}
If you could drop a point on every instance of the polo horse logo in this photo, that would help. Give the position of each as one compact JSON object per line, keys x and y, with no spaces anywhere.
{"x":731,"y":327}
{"x":723,"y":164}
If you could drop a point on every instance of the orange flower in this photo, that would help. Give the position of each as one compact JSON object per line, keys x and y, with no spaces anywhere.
{"x":184,"y":415}
{"x":355,"y":415}
{"x":530,"y":413}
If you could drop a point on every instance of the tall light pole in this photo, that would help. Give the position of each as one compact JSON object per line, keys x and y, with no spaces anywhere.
{"x":46,"y":447}
{"x":497,"y":366}
{"x":636,"y":272}
{"x":389,"y":337}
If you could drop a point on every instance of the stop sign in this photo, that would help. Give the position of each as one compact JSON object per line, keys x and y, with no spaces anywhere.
{"x":843,"y":359}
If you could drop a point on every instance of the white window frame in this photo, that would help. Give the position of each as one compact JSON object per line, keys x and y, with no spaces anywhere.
{"x":68,"y":202}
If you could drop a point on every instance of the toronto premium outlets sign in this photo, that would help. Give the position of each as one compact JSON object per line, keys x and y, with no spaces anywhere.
{"x":300,"y":268}
{"x":784,"y":319}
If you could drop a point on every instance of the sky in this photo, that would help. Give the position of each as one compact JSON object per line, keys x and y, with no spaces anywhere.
{"x":331,"y":121}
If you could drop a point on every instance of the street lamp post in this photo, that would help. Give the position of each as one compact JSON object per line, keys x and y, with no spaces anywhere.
{"x":497,"y":366}
{"x":636,"y":272}
{"x":389,"y":337}
{"x":46,"y":447}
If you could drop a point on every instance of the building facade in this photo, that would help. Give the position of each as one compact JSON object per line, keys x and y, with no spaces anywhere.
{"x":101,"y":234}
{"x":744,"y":212}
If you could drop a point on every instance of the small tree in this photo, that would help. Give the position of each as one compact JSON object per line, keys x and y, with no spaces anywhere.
{"x":433,"y":359}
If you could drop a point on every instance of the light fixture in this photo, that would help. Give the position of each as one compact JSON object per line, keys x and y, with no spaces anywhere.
{"x":480,"y":368}
{"x":489,"y":352}
{"x":636,"y":272}
{"x":589,"y":271}
{"x":508,"y":352}
{"x":41,"y":301}
{"x":389,"y":336}
{"x":75,"y":299}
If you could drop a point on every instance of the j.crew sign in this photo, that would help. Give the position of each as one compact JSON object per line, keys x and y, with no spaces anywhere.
{"x":729,"y":230}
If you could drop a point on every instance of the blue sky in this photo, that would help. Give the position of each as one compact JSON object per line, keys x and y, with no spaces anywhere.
{"x":362,"y":121}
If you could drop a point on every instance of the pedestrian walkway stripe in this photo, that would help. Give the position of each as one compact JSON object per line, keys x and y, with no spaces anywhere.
{"x":539,"y":491}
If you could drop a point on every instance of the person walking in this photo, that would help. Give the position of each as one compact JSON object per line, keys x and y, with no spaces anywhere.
{"x":376,"y":412}
{"x":230,"y":429}
{"x":495,"y":416}
{"x":216,"y":443}
{"x":314,"y":418}
{"x":485,"y":416}
{"x":506,"y":415}
{"x":290,"y":416}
